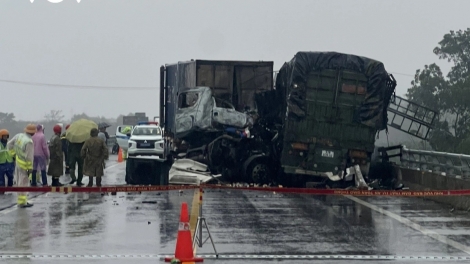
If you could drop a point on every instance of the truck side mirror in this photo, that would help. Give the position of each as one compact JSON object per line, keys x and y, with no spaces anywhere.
{"x":129,"y":134}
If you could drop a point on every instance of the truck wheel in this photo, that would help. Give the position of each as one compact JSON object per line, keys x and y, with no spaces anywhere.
{"x":258,"y":172}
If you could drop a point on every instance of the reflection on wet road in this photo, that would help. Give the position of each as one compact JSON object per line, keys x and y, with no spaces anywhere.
{"x":241,"y":222}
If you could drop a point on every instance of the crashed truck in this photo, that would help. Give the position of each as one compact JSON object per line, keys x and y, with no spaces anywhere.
{"x":208,"y":112}
{"x":316,"y":127}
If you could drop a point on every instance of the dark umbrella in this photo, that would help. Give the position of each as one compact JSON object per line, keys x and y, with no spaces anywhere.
{"x":103,"y":125}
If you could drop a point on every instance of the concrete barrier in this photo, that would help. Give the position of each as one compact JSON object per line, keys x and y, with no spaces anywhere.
{"x":421,"y":180}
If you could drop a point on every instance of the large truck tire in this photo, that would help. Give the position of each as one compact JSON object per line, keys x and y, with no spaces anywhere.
{"x":258,"y":172}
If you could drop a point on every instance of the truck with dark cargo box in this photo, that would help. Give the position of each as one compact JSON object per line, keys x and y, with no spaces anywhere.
{"x":204,"y":110}
{"x":330,"y":107}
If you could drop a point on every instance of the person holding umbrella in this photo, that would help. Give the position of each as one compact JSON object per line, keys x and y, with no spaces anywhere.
{"x":77,"y":134}
{"x":102,"y":132}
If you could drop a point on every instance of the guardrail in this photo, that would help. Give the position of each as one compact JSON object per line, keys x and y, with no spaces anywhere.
{"x":446,"y":164}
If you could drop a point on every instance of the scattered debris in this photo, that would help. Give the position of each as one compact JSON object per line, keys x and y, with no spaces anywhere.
{"x":187,"y":171}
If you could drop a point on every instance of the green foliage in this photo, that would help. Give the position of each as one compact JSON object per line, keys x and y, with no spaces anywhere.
{"x":450,"y":94}
{"x":6,"y":119}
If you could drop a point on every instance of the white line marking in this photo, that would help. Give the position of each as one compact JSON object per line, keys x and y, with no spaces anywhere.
{"x":237,"y":256}
{"x":413,"y":225}
{"x":11,"y":209}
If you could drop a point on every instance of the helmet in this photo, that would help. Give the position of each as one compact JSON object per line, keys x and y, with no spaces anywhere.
{"x":57,"y":129}
{"x":67,"y":126}
{"x":4,"y":132}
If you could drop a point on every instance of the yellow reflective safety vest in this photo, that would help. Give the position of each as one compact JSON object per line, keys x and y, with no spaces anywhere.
{"x":22,"y":140}
{"x":126,"y":130}
{"x":5,"y":155}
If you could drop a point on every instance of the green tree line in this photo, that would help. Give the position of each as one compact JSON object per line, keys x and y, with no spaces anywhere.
{"x":447,"y":93}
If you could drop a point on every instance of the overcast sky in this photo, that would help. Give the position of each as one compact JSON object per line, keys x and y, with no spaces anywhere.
{"x":123,"y":43}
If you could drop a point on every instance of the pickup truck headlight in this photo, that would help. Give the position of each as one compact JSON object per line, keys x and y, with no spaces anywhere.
{"x":159,"y":144}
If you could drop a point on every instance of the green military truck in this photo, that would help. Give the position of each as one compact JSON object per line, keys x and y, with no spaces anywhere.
{"x":329,"y":107}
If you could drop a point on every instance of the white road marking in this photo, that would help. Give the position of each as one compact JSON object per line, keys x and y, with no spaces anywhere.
{"x":15,"y":207}
{"x":11,"y":209}
{"x":237,"y":256}
{"x":413,"y":225}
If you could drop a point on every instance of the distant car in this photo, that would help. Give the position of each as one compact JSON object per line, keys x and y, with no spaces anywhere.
{"x":146,"y":140}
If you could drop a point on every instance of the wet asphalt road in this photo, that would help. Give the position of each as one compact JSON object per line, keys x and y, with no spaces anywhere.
{"x":240,"y":222}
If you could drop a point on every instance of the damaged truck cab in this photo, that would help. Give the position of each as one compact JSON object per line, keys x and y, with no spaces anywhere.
{"x":198,"y":111}
{"x":206,"y":109}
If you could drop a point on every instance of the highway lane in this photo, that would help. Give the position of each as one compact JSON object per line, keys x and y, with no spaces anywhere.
{"x":241,"y":222}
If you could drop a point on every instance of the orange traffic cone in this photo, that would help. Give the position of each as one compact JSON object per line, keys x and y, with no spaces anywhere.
{"x":120,"y":155}
{"x":184,"y":248}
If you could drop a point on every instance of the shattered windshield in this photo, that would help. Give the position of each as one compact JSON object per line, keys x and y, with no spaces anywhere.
{"x":186,"y":100}
{"x":146,"y":131}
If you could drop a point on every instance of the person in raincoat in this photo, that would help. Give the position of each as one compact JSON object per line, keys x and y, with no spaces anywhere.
{"x":127,"y":131}
{"x":102,"y":135}
{"x":41,"y":156}
{"x":94,"y":152}
{"x":65,"y":145}
{"x":7,"y":165}
{"x":75,"y":161}
{"x":23,"y":147}
{"x":102,"y":132}
{"x":56,"y":163}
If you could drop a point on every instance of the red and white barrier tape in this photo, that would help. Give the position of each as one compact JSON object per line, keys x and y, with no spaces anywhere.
{"x":73,"y":189}
{"x":127,"y":188}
